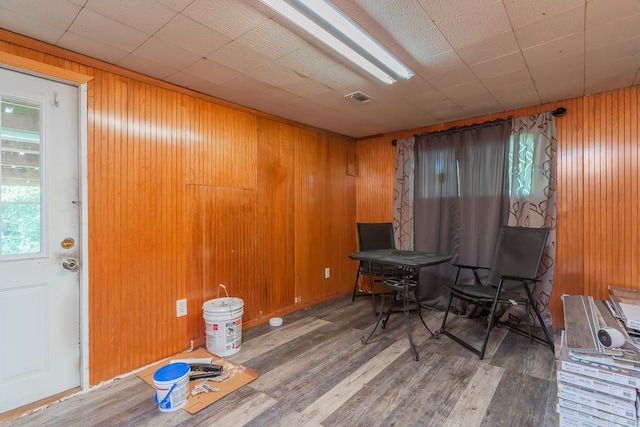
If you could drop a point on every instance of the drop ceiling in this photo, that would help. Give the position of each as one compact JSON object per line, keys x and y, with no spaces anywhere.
{"x":470,"y":57}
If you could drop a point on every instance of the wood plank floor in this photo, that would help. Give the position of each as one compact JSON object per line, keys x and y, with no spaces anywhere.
{"x":314,"y":371}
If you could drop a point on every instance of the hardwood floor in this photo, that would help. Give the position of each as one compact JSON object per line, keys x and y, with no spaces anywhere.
{"x":314,"y":371}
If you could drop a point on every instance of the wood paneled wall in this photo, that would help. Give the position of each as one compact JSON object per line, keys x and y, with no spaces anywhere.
{"x":187,"y":192}
{"x":598,"y":190}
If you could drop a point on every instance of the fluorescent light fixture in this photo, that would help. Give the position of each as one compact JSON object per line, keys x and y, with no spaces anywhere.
{"x":328,"y":24}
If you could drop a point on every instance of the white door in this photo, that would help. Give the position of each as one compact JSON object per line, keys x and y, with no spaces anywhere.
{"x":39,"y":232}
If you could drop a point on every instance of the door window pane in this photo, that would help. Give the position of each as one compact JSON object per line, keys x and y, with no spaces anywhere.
{"x":20,"y":177}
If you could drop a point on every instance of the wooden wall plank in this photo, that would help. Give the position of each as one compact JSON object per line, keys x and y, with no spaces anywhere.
{"x":275,"y":274}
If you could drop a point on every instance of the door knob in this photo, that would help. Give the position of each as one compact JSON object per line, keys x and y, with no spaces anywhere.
{"x":70,"y":264}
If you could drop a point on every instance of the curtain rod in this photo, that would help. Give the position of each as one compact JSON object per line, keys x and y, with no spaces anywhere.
{"x":558,"y":112}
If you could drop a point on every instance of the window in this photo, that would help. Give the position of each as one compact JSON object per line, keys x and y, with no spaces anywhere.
{"x":20,"y":177}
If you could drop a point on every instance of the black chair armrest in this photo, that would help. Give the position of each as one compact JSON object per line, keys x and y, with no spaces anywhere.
{"x":518,"y":278}
{"x":471,"y":267}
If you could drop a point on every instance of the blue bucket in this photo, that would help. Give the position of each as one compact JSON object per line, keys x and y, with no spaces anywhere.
{"x":172,"y":386}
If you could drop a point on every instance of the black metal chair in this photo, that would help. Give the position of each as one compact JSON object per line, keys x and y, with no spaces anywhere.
{"x":373,"y":235}
{"x":513,"y":271}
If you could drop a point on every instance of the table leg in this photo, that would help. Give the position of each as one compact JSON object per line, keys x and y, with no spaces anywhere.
{"x":380,"y":313}
{"x":407,"y":319}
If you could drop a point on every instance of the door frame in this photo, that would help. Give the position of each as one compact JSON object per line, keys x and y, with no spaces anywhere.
{"x":80,"y":81}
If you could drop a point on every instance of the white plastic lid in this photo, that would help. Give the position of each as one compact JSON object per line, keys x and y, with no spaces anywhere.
{"x":275,"y":321}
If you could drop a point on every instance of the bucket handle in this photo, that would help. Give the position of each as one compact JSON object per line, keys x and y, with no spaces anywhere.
{"x":225,"y":290}
{"x":161,"y":403}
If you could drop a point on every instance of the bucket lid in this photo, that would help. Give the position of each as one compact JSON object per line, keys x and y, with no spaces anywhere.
{"x":171,"y":372}
{"x":222,"y":304}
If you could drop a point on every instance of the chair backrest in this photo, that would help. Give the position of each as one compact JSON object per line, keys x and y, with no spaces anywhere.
{"x":518,"y":252}
{"x":376,"y":235}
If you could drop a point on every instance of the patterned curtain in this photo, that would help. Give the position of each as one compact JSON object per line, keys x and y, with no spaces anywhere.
{"x":532,"y":196}
{"x":403,"y":184}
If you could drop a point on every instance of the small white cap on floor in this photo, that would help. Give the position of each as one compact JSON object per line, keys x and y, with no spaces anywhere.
{"x":275,"y":321}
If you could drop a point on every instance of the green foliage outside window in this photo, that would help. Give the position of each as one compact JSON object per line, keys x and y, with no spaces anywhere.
{"x":20,"y":219}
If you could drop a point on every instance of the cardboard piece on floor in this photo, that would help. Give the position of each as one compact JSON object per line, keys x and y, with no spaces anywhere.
{"x":239,"y":376}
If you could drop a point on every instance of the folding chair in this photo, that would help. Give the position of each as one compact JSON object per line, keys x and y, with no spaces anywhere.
{"x":513,"y":271}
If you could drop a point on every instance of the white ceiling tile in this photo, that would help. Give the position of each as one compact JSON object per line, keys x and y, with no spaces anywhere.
{"x":481,"y":108}
{"x":468,"y":89}
{"x":612,"y":33}
{"x":443,"y":11}
{"x":499,"y":66}
{"x":107,"y":31}
{"x":305,"y":88}
{"x":470,"y":28}
{"x":175,"y":57}
{"x":606,"y":53}
{"x":307,"y":60}
{"x":397,"y":21}
{"x":211,"y":71}
{"x":25,"y":25}
{"x":514,"y":78}
{"x":236,"y":90}
{"x":554,"y":50}
{"x":60,"y":12}
{"x":192,"y":35}
{"x":232,"y":18}
{"x":145,"y":66}
{"x":428,"y":98}
{"x":600,"y":12}
{"x":421,"y":47}
{"x":433,"y":107}
{"x":142,"y":15}
{"x":512,"y":100}
{"x":87,"y":46}
{"x":552,"y":27}
{"x":408,"y":88}
{"x":191,"y":82}
{"x":177,"y":5}
{"x":341,"y":78}
{"x":450,"y":115}
{"x":328,"y":99}
{"x":446,"y":69}
{"x":275,"y":74}
{"x":561,"y":91}
{"x":611,"y":74}
{"x":523,"y":12}
{"x":494,"y":47}
{"x":513,"y":87}
{"x":237,"y":56}
{"x":271,"y":40}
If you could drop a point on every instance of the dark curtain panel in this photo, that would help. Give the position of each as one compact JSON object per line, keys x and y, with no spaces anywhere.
{"x":461,"y":199}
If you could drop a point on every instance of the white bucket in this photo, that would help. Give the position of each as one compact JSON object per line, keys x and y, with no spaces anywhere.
{"x":172,"y":386}
{"x":223,"y":324}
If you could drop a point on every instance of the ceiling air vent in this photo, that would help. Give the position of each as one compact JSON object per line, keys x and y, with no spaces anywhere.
{"x":359,"y":96}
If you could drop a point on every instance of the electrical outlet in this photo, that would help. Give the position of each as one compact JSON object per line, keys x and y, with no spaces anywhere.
{"x":327,"y":273}
{"x":181,"y":307}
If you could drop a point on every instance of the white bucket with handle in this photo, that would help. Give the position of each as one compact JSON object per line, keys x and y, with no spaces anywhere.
{"x":223,"y":324}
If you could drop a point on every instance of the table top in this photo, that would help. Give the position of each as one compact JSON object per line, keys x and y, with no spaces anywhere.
{"x":401,"y":258}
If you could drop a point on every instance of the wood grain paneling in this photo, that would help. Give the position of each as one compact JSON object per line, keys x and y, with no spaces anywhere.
{"x":275,"y":273}
{"x":186,"y":192}
{"x":224,"y":155}
{"x":598,"y":183}
{"x":342,"y":192}
{"x":311,"y":222}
